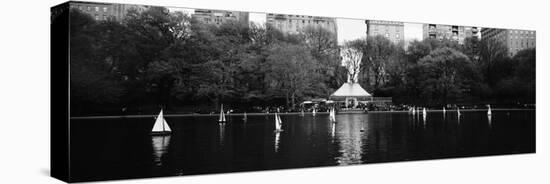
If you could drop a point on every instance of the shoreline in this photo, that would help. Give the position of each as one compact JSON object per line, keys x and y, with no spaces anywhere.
{"x":269,"y":114}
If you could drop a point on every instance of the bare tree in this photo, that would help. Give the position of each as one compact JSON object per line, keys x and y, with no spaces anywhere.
{"x":321,"y":41}
{"x":351,"y":58}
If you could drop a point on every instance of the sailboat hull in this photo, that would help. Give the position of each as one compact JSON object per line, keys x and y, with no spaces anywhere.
{"x":160,"y":133}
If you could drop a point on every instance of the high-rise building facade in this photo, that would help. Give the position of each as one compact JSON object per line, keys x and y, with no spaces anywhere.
{"x":449,"y":32}
{"x":218,"y":17}
{"x":293,"y":24}
{"x":515,"y":40}
{"x":105,"y":11}
{"x":392,"y":30}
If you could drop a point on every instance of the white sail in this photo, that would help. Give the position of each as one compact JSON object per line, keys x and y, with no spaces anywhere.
{"x":313,"y":112}
{"x":424,"y":111}
{"x":244,"y":118}
{"x":160,"y":124}
{"x":444,"y":111}
{"x":166,"y":127}
{"x":489,"y":111}
{"x":222,"y":115}
{"x":278,"y":122}
{"x":458,"y":111}
{"x":332,"y":114}
{"x":414,"y":111}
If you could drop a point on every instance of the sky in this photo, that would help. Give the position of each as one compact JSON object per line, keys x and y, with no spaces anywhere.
{"x":258,"y":18}
{"x":413,"y":31}
{"x":350,"y":29}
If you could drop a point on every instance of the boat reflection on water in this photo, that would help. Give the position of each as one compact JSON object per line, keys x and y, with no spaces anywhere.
{"x":489,"y":121}
{"x":209,"y":147}
{"x":333,"y":131}
{"x":458,"y":118}
{"x":350,"y":140}
{"x":160,"y":148}
{"x":277,"y":141}
{"x":221,"y":129}
{"x":424,"y":116}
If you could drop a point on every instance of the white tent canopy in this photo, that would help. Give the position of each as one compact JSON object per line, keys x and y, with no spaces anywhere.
{"x":350,"y":90}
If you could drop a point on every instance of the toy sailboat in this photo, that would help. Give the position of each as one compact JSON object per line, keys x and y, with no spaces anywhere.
{"x":222,"y":115}
{"x":161,"y":127}
{"x":332,"y":115}
{"x":278,"y":123}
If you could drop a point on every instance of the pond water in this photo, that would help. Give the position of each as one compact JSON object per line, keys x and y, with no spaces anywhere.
{"x":121,"y":148}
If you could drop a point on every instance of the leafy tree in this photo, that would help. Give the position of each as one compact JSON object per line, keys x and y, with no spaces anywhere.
{"x":91,"y":79}
{"x":491,"y":52}
{"x":291,"y":72}
{"x":378,"y":51}
{"x":526,"y":69}
{"x":324,"y":48}
{"x":471,"y":48}
{"x":157,"y":57}
{"x":159,"y":40}
{"x":447,"y":73}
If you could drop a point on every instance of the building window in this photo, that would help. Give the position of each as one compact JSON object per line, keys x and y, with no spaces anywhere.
{"x":96,"y":8}
{"x":104,"y":17}
{"x":96,"y":17}
{"x":88,"y":8}
{"x":104,"y":9}
{"x":397,"y":36}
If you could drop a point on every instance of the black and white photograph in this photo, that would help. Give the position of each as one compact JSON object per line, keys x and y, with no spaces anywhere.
{"x":158,"y":91}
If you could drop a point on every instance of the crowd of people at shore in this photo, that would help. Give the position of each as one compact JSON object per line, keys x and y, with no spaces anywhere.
{"x":370,"y":107}
{"x":228,"y":109}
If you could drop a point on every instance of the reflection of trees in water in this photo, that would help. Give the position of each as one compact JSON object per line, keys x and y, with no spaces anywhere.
{"x":160,"y":148}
